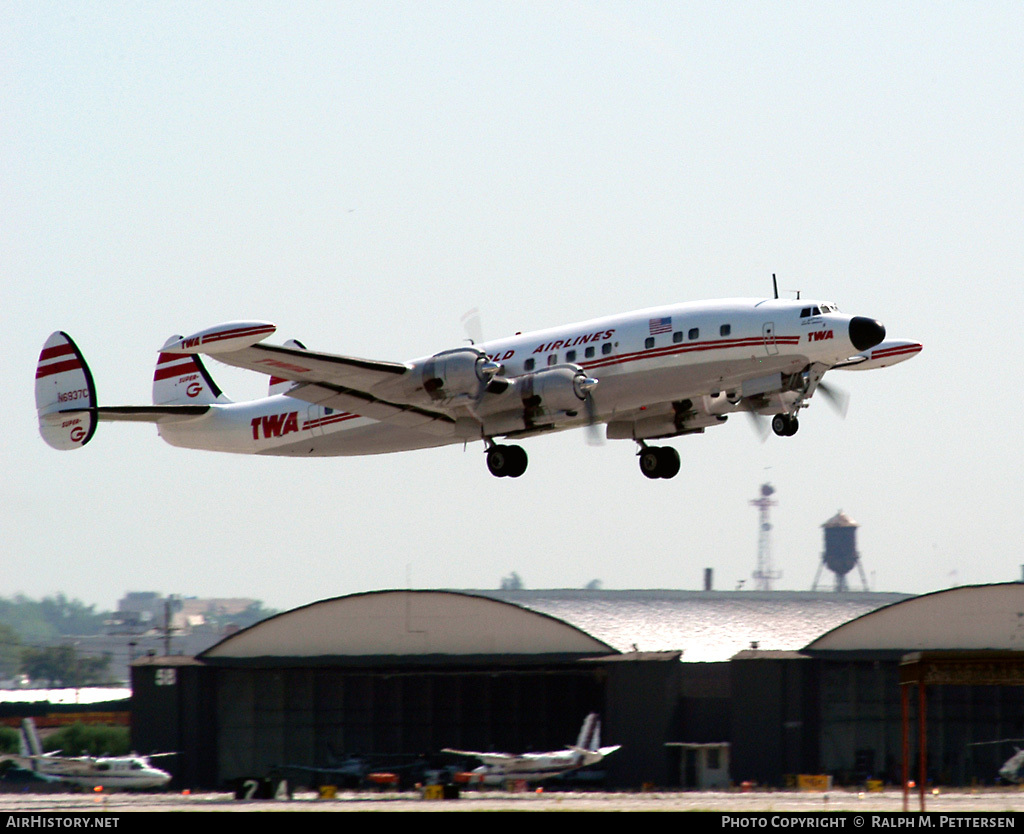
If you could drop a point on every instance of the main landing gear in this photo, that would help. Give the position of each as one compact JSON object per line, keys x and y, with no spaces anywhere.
{"x":506,"y":461}
{"x":785,"y":425}
{"x":659,"y":461}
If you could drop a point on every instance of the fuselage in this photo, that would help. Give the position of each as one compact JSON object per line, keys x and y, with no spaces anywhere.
{"x":114,"y":772}
{"x":644,"y":362}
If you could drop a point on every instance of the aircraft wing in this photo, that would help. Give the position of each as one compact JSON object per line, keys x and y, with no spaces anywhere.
{"x":297,"y":365}
{"x":486,"y":758}
{"x":369,"y":387}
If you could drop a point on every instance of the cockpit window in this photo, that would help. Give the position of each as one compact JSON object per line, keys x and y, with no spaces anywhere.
{"x":805,"y":312}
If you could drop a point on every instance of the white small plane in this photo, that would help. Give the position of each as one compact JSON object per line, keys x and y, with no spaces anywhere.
{"x":647,"y":375}
{"x":110,"y":772}
{"x":498,"y":768}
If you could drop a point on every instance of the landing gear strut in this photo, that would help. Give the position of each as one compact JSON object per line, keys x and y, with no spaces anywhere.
{"x":506,"y":461}
{"x":785,"y":425}
{"x":659,"y":461}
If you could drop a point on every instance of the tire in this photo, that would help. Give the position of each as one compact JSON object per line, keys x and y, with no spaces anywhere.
{"x":794,"y":426}
{"x":650,"y":462}
{"x":498,"y":461}
{"x":668,"y":462}
{"x":517,"y":461}
{"x":780,"y":424}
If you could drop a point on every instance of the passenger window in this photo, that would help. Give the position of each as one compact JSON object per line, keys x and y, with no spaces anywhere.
{"x":528,"y":364}
{"x":570,"y":356}
{"x":725,"y":330}
{"x":589,"y":352}
{"x":649,"y":342}
{"x":694,"y":333}
{"x":553,"y":358}
{"x":606,"y":348}
{"x":677,"y":337}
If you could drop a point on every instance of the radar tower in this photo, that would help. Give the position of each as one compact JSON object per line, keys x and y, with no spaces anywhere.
{"x":765,"y":573}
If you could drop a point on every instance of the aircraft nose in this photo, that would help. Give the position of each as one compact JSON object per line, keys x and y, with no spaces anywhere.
{"x":866,"y":333}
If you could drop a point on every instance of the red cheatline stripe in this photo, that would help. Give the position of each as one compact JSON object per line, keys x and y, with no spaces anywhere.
{"x":236,"y":333}
{"x":164,"y":358}
{"x":58,"y":368}
{"x":896,"y":351}
{"x":174,"y":371}
{"x":326,"y":421}
{"x":692,"y":347}
{"x":276,"y":380}
{"x":54,"y":352}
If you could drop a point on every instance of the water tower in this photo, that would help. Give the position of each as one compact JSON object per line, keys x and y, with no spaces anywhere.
{"x":840,"y":554}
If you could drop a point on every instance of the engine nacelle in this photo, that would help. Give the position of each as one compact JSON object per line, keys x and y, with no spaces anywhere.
{"x":462,"y":372}
{"x":554,"y":390}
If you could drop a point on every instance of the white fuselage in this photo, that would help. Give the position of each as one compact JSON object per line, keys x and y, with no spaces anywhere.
{"x":645,"y":361}
{"x":111,"y":772}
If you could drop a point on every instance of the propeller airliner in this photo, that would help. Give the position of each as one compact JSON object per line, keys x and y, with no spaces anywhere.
{"x":645,"y":376}
{"x":499,"y":768}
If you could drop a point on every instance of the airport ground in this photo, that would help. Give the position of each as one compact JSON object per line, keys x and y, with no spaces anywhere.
{"x":952,"y":801}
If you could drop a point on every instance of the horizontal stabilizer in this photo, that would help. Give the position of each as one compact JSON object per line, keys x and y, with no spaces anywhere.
{"x":130,"y":414}
{"x":222,"y":338}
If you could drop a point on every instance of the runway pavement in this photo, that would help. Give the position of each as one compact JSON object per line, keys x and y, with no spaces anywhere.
{"x":982,"y":800}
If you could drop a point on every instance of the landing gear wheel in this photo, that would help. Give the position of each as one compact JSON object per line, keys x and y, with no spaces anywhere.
{"x":785,"y":425}
{"x":649,"y":463}
{"x":659,"y":462}
{"x":668,"y":462}
{"x":506,"y":461}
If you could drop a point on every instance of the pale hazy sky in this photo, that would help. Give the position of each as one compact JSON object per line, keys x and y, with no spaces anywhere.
{"x":362,"y":174}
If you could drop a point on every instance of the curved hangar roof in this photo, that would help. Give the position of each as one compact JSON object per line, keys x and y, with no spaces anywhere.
{"x":972,"y":617}
{"x":409,"y":623}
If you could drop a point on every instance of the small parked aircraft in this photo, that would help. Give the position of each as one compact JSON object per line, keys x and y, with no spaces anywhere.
{"x":498,"y":768}
{"x":647,"y":375}
{"x":112,"y":772}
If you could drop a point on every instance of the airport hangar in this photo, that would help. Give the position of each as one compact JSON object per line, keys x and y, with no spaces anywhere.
{"x":412,"y":672}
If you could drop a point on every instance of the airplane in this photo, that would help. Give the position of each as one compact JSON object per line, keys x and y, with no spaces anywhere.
{"x":648,"y":375}
{"x":498,"y":768}
{"x":116,"y":772}
{"x":1012,"y":770}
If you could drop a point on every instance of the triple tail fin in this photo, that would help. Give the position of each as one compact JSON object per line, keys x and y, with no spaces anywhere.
{"x":66,"y":394}
{"x":64,"y":383}
{"x":279,"y":385}
{"x":182,"y":379}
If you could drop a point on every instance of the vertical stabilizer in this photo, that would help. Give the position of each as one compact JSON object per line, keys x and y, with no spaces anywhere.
{"x":279,"y":385}
{"x":590,"y":733}
{"x":182,"y":379}
{"x":64,"y":383}
{"x":30,"y":745}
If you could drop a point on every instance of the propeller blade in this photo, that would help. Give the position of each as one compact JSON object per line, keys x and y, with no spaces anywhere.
{"x":594,"y":434}
{"x":758,"y":422}
{"x":471,"y":324}
{"x":835,"y":397}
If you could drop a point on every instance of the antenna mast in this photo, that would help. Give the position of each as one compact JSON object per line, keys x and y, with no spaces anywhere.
{"x":765,"y":573}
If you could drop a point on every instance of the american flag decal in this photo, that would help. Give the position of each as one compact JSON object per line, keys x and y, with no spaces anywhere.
{"x":663,"y":325}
